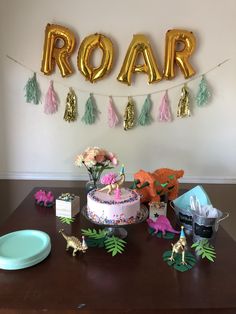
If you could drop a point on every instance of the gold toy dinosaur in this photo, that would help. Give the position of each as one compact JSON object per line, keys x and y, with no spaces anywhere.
{"x":113,"y":186}
{"x":179,"y":247}
{"x":74,"y":243}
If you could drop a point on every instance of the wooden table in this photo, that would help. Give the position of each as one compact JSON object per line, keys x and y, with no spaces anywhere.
{"x":138,"y":281}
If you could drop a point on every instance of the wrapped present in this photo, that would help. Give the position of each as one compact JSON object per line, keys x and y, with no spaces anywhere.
{"x":67,"y":205}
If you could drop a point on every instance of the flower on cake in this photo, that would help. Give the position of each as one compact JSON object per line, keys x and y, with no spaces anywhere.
{"x":109,"y":178}
{"x":96,"y":160}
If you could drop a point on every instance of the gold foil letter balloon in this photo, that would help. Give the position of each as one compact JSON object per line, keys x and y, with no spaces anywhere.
{"x":172,"y":54}
{"x":139,"y":46}
{"x":88,"y":45}
{"x":53,"y":53}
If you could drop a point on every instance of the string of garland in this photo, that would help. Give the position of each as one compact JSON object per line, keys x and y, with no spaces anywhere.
{"x":125,"y":96}
{"x":33,"y":94}
{"x":91,"y":111}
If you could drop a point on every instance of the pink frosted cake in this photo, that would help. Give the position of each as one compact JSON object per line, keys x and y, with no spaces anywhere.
{"x":105,"y":209}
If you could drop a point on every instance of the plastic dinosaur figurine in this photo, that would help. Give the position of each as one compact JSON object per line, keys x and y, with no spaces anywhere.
{"x":179,"y":247}
{"x":161,"y":224}
{"x":74,"y":243}
{"x":115,"y":185}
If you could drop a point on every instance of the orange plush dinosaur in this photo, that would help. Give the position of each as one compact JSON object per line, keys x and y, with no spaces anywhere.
{"x":151,"y":186}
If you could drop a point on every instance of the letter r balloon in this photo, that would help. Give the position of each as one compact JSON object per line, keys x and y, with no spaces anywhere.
{"x":53,"y":54}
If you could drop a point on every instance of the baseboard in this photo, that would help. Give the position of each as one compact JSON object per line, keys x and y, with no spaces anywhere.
{"x":67,"y":176}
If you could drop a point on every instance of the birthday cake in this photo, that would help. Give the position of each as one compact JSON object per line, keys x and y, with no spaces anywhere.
{"x":105,"y":208}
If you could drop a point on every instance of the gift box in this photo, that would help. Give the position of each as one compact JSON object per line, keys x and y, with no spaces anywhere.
{"x":156,"y":209}
{"x":67,"y":205}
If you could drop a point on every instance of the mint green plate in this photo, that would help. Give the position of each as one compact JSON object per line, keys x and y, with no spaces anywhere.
{"x":23,"y":248}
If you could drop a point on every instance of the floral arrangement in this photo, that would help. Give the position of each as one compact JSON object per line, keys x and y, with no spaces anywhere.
{"x":96,"y":160}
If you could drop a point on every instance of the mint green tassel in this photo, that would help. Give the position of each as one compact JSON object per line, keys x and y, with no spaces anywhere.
{"x":203,"y":93}
{"x":91,"y":111}
{"x":145,"y":115}
{"x":33,"y":93}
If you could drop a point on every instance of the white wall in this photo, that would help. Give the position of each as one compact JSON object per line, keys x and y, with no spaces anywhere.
{"x":34,"y":145}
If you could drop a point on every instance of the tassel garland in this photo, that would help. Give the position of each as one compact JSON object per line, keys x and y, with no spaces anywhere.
{"x":183,"y":105}
{"x":112,"y":116}
{"x":91,"y":111}
{"x":203,"y":93}
{"x":145,"y":115}
{"x":129,"y":115}
{"x":51,"y":105}
{"x":164,"y":110}
{"x":33,"y":93}
{"x":71,"y":106}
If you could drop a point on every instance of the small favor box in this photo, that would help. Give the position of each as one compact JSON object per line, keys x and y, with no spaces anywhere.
{"x":67,"y":205}
{"x":156,"y":209}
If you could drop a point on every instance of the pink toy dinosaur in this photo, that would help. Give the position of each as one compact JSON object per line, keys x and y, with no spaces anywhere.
{"x":161,"y":224}
{"x":44,"y":198}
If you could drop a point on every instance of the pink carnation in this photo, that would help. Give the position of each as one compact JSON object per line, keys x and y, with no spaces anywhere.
{"x":109,"y":178}
{"x":112,"y":157}
{"x":94,"y":156}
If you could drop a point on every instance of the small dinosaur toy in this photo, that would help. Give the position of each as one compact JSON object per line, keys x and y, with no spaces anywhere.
{"x":74,"y":243}
{"x":44,"y":198}
{"x":115,"y":185}
{"x":161,"y":224}
{"x":179,"y":247}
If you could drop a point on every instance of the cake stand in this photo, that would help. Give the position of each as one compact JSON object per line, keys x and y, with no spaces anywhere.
{"x":119,"y":230}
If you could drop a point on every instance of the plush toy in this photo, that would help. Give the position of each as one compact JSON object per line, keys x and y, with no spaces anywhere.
{"x":151,"y":186}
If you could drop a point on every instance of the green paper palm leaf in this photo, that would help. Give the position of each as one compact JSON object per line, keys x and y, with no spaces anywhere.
{"x":167,"y":236}
{"x":66,"y":220}
{"x":95,"y":242}
{"x":94,"y":234}
{"x":189,"y":259}
{"x":94,"y":238}
{"x":204,"y":249}
{"x":114,"y":245}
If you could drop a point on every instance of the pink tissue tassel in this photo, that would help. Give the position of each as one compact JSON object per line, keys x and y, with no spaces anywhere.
{"x":112,"y":117}
{"x":164,"y":110}
{"x":50,"y":100}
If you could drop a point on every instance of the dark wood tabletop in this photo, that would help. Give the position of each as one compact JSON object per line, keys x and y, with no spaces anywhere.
{"x":137,"y":281}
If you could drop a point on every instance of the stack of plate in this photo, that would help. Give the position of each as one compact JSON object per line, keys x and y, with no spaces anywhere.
{"x":23,"y":249}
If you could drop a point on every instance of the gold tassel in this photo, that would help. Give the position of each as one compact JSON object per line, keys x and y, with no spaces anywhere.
{"x":183,"y":105}
{"x":129,"y":116}
{"x":71,"y":106}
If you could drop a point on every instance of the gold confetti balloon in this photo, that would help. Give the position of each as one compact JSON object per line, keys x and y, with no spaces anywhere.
{"x":129,"y":116}
{"x":183,"y":105}
{"x":71,"y":107}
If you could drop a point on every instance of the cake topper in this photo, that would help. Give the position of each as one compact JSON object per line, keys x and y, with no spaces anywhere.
{"x":112,"y":183}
